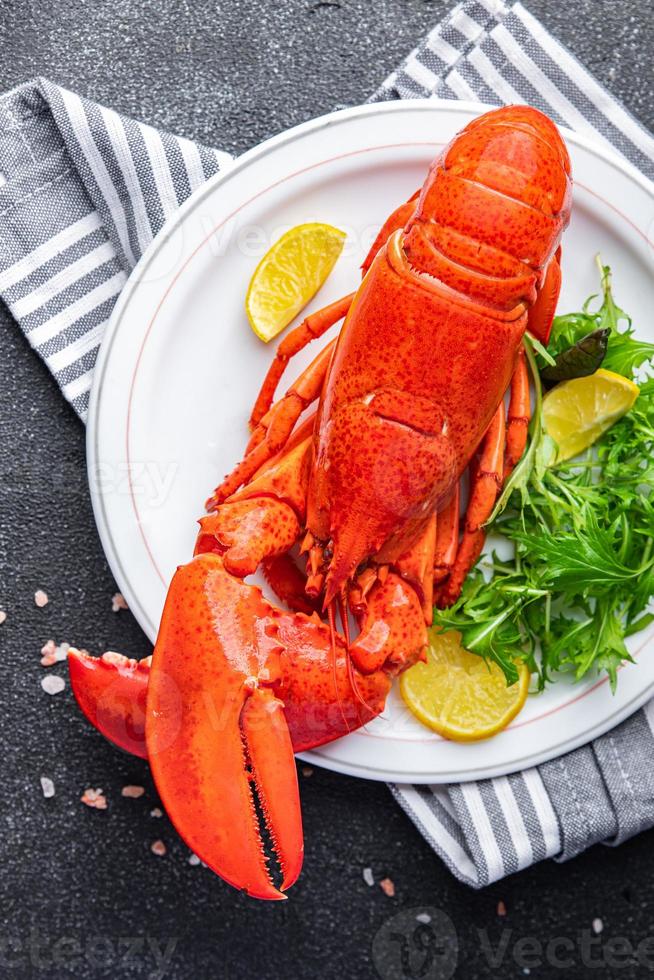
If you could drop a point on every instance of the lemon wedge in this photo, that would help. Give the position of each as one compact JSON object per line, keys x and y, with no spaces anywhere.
{"x":289,"y":274}
{"x":577,"y":412}
{"x":458,"y":694}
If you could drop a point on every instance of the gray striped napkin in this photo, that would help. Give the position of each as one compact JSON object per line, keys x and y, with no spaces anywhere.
{"x":83,"y":190}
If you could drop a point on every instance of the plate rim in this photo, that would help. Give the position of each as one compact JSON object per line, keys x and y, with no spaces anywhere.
{"x":165,"y":233}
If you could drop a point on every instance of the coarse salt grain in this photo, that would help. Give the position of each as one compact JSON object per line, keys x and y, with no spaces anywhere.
{"x":156,"y":812}
{"x":41,"y":598}
{"x":501,"y":908}
{"x":307,"y":771}
{"x":53,"y":684}
{"x":368,"y":877}
{"x":132,"y":792}
{"x":62,"y":651}
{"x":423,"y":917}
{"x":47,"y":786}
{"x":158,"y":847}
{"x":193,"y":859}
{"x":387,"y":886}
{"x":118,"y":602}
{"x":48,"y":653}
{"x":598,"y":926}
{"x":94,"y":798}
{"x":3,"y":616}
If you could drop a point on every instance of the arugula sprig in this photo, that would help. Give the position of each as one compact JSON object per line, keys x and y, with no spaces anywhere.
{"x":582,"y":573}
{"x":624,"y":355}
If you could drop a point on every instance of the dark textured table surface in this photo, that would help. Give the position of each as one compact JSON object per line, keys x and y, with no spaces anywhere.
{"x":81,"y":894}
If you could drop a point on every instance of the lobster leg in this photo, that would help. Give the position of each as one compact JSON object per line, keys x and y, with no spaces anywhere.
{"x":393,"y":631}
{"x":289,"y":583}
{"x":487,"y":484}
{"x":276,"y":427}
{"x":542,"y":312}
{"x":312,"y":327}
{"x":518,"y":415}
{"x":447,"y":537}
{"x":399,"y":218}
{"x":417,"y":567}
{"x":303,"y":388}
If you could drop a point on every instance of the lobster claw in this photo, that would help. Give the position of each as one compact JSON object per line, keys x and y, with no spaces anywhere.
{"x":216,"y":732}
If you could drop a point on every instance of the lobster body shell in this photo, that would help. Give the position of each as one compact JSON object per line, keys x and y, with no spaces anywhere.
{"x":396,"y":431}
{"x":429,"y":345}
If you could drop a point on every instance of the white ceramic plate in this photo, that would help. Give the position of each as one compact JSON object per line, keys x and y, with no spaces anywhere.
{"x":180,"y":368}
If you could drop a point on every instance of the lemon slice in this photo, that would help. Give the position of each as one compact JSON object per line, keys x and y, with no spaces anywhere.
{"x":289,"y":274}
{"x":577,"y":412}
{"x":458,"y":694}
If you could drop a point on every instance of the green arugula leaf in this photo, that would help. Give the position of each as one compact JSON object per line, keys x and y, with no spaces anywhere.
{"x":539,"y":349}
{"x":578,"y":560}
{"x":568,"y":330}
{"x":625,"y":355}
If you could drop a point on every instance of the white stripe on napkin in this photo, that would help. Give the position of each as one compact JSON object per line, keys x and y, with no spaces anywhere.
{"x":29,"y":264}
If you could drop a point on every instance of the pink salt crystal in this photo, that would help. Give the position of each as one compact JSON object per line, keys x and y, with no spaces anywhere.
{"x":3,"y":616}
{"x":133,"y":792}
{"x":118,"y":602}
{"x":40,"y":598}
{"x":94,"y":798}
{"x":48,"y":654}
{"x":158,"y":847}
{"x":387,"y":886}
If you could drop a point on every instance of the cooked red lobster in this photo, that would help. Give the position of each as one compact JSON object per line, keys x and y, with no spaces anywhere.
{"x":353,"y":509}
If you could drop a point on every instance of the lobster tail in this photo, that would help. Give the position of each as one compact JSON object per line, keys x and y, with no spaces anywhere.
{"x":493,"y":208}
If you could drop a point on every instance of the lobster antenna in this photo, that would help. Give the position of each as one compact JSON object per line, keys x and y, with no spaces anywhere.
{"x":342,"y":608}
{"x":332,"y":637}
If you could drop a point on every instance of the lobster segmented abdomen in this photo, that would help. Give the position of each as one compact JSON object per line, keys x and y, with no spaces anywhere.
{"x":492,"y":211}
